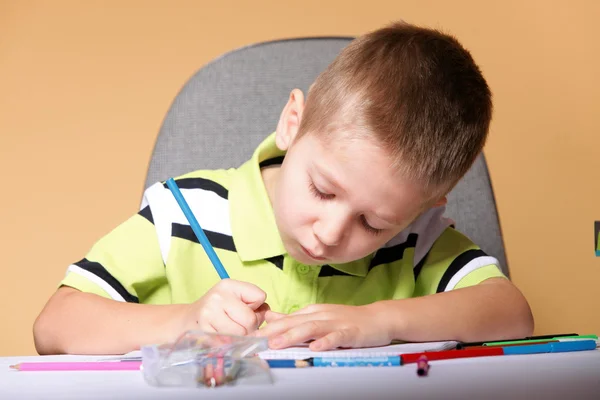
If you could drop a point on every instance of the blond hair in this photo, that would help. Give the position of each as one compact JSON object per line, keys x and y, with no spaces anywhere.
{"x":416,"y":91}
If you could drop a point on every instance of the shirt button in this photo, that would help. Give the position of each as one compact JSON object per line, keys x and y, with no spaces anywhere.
{"x":303,"y":269}
{"x":294,"y":308}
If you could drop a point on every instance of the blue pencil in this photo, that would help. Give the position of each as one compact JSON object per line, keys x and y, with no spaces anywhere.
{"x":367,"y":361}
{"x":289,"y":363}
{"x":197,"y":229}
{"x":554,"y":347}
{"x":386,"y":361}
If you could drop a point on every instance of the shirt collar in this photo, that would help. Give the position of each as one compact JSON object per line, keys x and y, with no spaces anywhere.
{"x":356,"y":268}
{"x":253,"y":225}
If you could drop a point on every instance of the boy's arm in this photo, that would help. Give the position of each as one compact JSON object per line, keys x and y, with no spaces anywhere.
{"x":96,"y":309}
{"x":464,"y":295}
{"x":492,"y":310}
{"x":76,"y":322}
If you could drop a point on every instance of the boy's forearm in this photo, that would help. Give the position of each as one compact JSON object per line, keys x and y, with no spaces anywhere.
{"x":492,"y":310}
{"x":74,"y":322}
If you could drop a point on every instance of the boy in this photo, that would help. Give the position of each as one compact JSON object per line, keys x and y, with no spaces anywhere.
{"x":333,"y":231}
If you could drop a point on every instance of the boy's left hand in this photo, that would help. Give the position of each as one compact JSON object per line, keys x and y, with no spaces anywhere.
{"x":330,"y":325}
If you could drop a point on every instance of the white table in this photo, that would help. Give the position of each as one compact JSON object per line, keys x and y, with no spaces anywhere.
{"x":542,"y":376}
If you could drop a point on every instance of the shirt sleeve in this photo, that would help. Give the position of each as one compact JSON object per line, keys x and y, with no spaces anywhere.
{"x":453,"y":262}
{"x":124,"y":265}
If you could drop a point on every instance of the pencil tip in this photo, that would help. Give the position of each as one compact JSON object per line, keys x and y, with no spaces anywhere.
{"x":14,"y":366}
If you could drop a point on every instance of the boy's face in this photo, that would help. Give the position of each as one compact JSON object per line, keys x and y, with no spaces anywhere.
{"x":336,"y":201}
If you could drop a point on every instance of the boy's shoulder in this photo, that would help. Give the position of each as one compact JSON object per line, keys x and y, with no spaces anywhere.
{"x":435,"y":236}
{"x":203,"y":189}
{"x":423,"y":232}
{"x":441,"y":243}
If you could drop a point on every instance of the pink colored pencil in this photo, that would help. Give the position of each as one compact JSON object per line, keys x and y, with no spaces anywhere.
{"x":79,"y":366}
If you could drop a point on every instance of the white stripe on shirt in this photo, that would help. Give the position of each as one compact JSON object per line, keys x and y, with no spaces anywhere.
{"x":97,"y":280}
{"x":471,"y":266}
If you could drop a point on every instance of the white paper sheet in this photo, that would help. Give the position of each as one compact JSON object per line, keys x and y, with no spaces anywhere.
{"x":300,"y":353}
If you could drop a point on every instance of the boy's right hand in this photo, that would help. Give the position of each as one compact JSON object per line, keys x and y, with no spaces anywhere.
{"x":230,"y":307}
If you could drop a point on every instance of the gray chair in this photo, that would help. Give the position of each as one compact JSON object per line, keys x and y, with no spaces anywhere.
{"x":231,"y":104}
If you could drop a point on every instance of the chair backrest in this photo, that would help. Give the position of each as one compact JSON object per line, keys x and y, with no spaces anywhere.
{"x":231,"y":104}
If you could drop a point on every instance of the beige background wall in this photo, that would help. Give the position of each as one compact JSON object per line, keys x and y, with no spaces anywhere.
{"x":84,"y":87}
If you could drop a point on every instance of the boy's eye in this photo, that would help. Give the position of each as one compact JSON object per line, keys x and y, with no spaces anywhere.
{"x":319,"y":194}
{"x":368,"y":227}
{"x":363,"y":220}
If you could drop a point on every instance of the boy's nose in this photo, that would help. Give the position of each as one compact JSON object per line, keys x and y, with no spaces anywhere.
{"x":330,"y":231}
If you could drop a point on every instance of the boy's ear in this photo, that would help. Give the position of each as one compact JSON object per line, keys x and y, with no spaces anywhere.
{"x":441,"y":202}
{"x":289,"y":120}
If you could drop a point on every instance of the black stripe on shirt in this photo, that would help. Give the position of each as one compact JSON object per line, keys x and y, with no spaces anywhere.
{"x":147,"y":213}
{"x":328,"y":270}
{"x":271,"y":161}
{"x":97,"y":269}
{"x":217,"y":240}
{"x":201,"y":183}
{"x":277,"y":260}
{"x":388,"y":255}
{"x":457,"y":265}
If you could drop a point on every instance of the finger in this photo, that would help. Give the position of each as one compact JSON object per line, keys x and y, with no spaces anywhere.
{"x":333,"y":340}
{"x":241,"y":314}
{"x":261,"y":312}
{"x":312,"y":309}
{"x":286,"y":322}
{"x":301,"y":333}
{"x":250,"y":294}
{"x":273,"y":316}
{"x":222,"y":323}
{"x":276,"y":328}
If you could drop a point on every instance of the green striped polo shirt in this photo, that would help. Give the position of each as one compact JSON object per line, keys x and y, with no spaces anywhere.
{"x":155,"y":258}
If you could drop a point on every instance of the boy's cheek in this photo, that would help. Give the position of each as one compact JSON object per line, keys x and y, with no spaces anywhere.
{"x":297,"y":210}
{"x":360,"y":246}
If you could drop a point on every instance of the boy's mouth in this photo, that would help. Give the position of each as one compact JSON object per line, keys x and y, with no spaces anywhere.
{"x":311,"y":255}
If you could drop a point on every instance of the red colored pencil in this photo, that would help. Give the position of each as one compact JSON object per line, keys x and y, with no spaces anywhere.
{"x":450,"y":354}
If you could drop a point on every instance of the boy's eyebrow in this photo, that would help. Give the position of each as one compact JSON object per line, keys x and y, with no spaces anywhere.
{"x":328,"y":177}
{"x":333,"y":182}
{"x":391,"y":221}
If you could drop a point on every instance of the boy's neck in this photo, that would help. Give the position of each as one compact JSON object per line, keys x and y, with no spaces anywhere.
{"x":269,"y":176}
